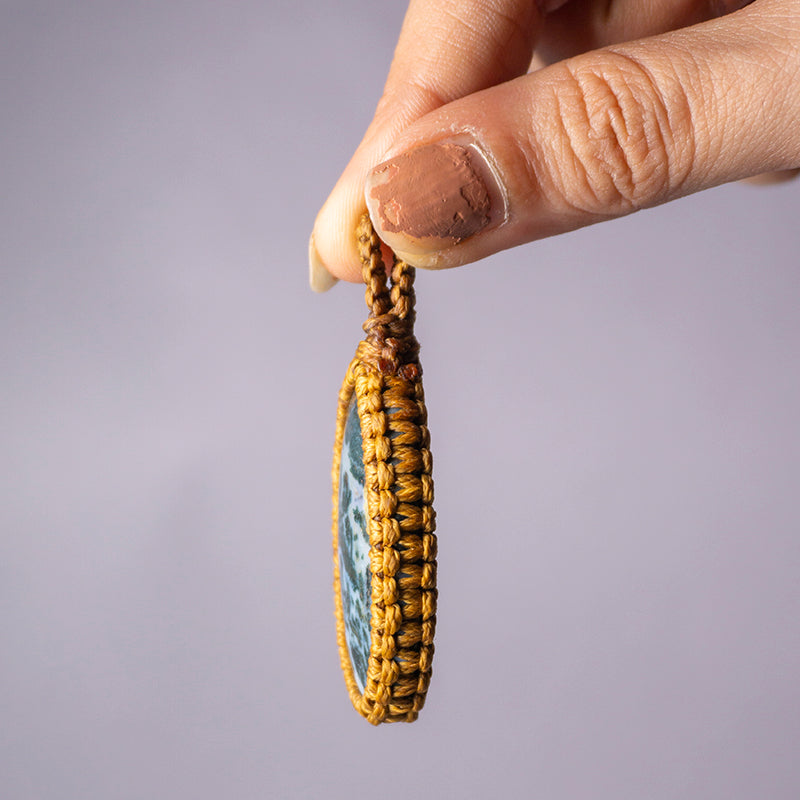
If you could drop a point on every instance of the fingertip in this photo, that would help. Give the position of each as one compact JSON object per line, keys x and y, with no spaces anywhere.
{"x":320,"y":278}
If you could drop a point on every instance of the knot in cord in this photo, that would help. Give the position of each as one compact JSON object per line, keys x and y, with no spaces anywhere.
{"x":390,"y":343}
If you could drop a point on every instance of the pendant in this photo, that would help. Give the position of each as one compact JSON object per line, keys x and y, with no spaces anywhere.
{"x":383,"y":519}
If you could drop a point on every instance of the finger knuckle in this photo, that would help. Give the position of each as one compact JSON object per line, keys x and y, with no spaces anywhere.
{"x":624,"y":135}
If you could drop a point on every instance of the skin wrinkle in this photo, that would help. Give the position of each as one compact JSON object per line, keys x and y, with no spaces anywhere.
{"x":470,"y":47}
{"x":582,"y":154}
{"x":572,"y":168}
{"x":628,"y":159}
{"x":687,"y":84}
{"x":594,"y":168}
{"x":475,"y":32}
{"x":676,"y":177}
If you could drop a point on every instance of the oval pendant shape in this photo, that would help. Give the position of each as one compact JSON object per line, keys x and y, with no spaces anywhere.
{"x":354,"y":566}
{"x":384,"y":570}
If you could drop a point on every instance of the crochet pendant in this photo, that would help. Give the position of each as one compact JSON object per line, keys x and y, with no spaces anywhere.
{"x":383,"y":519}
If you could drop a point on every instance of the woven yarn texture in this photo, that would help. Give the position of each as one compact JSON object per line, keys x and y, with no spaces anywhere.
{"x":386,"y":378}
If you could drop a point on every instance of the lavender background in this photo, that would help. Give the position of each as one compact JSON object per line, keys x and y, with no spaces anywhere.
{"x":614,"y":421}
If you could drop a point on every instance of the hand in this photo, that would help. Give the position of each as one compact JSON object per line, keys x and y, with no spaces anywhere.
{"x":470,"y":153}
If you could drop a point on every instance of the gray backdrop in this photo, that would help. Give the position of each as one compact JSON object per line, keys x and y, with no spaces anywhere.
{"x":614,"y":422}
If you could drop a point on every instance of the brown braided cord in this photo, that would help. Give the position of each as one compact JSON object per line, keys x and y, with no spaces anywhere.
{"x":390,"y":342}
{"x":385,"y":377}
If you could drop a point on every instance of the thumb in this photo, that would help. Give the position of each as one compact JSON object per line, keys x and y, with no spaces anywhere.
{"x":594,"y":137}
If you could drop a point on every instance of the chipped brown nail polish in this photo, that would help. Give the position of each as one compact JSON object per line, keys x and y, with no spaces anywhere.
{"x":436,"y":194}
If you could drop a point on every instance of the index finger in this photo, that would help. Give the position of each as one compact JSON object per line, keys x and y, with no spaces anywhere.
{"x":447,"y":49}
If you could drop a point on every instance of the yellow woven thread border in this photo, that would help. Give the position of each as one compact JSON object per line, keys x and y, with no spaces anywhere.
{"x":398,"y":491}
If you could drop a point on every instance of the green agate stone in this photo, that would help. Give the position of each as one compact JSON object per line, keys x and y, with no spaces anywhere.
{"x":355,"y":575}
